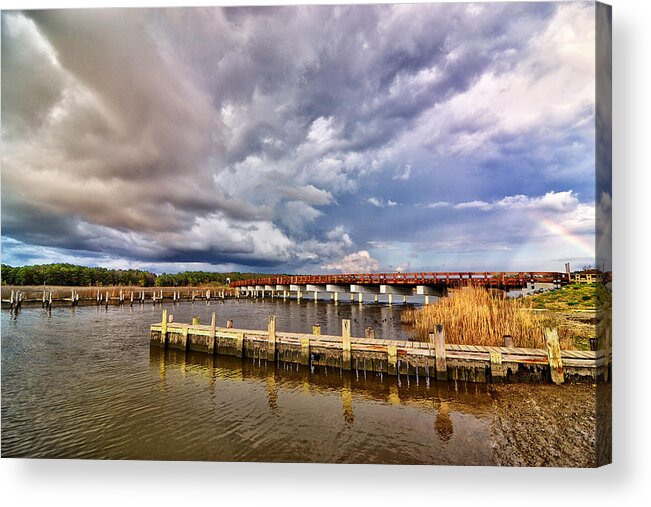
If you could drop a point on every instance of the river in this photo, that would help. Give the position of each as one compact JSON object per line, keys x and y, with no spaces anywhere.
{"x":84,"y":383}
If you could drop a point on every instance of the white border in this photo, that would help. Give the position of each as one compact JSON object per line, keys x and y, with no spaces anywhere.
{"x":627,"y":481}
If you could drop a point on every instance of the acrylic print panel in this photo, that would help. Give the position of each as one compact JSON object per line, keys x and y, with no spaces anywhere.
{"x":339,"y":234}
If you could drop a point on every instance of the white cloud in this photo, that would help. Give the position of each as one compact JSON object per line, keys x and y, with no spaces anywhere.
{"x":482,"y":205}
{"x":405,"y":174}
{"x":439,"y":204}
{"x":380,"y":203}
{"x":358,"y":262}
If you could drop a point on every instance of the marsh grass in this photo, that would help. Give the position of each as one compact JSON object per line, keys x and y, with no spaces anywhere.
{"x":476,"y":316}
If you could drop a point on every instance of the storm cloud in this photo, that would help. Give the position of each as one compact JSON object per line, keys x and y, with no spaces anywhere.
{"x":297,"y":139}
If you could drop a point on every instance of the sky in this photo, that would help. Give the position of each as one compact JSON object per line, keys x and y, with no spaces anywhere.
{"x":309,"y":139}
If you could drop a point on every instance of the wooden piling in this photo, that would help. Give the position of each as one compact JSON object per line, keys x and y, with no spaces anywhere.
{"x":229,"y":324}
{"x":213,"y":329}
{"x":392,"y":359}
{"x":239,"y":345}
{"x":271,"y":340}
{"x":439,"y":347}
{"x":305,"y":351}
{"x":508,"y":340}
{"x":345,"y":344}
{"x":196,"y":321}
{"x":497,"y":370}
{"x":316,"y":329}
{"x":369,"y":332}
{"x":554,"y":355}
{"x":184,"y":337}
{"x":163,"y":332}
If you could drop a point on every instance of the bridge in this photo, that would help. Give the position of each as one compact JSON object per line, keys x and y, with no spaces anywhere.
{"x":395,"y":284}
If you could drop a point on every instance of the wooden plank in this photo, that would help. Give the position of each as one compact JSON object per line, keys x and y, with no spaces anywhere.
{"x":554,"y":355}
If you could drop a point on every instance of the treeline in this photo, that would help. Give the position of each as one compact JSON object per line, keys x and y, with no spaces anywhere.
{"x":83,"y":276}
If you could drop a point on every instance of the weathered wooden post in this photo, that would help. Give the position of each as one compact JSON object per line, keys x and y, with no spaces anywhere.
{"x":439,"y":347}
{"x":345,"y":344}
{"x":229,"y":324}
{"x":163,"y":330}
{"x":107,"y":299}
{"x":196,"y":321}
{"x":554,"y":355}
{"x":131,"y":303}
{"x":305,"y":351}
{"x":508,"y":340}
{"x":390,"y":298}
{"x":44,"y":299}
{"x":213,"y":329}
{"x":184,"y":336}
{"x":170,"y":318}
{"x":369,"y":332}
{"x":316,"y":329}
{"x":271,"y":341}
{"x":208,"y":295}
{"x":239,"y":345}
{"x":392,"y":360}
{"x":497,"y":370}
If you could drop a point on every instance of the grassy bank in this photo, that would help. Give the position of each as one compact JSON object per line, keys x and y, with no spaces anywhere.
{"x":475,"y":316}
{"x":579,"y":296}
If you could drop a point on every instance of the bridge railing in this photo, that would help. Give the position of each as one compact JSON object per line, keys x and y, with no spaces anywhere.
{"x":504,"y":278}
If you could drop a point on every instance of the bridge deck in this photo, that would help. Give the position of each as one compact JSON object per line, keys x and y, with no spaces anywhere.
{"x":442,"y":279}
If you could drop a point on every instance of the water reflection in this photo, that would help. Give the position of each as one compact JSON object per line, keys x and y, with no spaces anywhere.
{"x":441,"y":399}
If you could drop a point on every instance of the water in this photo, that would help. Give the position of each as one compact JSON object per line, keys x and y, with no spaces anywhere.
{"x":84,"y":383}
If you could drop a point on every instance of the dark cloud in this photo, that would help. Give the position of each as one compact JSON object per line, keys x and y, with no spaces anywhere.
{"x":255,"y":136}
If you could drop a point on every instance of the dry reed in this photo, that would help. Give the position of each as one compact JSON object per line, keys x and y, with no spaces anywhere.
{"x":476,"y":316}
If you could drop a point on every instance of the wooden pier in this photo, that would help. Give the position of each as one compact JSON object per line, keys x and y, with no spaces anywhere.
{"x":436,"y":359}
{"x":109,"y":296}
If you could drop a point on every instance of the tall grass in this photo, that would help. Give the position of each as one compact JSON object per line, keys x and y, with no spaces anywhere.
{"x":476,"y":316}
